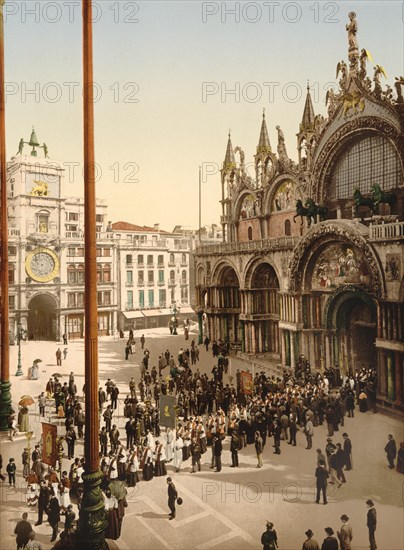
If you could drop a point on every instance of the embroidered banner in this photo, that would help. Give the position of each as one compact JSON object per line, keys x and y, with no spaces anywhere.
{"x":246,"y":382}
{"x":49,"y":447}
{"x":167,"y":407}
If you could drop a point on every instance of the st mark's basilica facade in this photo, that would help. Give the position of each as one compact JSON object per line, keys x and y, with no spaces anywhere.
{"x":291,"y":278}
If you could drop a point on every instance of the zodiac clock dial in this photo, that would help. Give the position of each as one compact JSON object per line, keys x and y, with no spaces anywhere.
{"x":42,"y":265}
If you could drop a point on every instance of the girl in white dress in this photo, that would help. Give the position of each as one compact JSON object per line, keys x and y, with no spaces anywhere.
{"x":178,"y":453}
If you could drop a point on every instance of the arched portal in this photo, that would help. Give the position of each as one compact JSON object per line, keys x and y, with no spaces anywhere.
{"x":42,"y":318}
{"x":351,"y":318}
{"x":226,"y":305}
{"x":264,"y":329}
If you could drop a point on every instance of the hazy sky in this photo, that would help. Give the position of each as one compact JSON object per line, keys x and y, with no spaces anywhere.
{"x":172,"y":78}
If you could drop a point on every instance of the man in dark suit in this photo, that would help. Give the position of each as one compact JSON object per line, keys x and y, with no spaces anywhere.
{"x":330,"y":542}
{"x":23,"y":530}
{"x":172,"y":497}
{"x":371,"y":523}
{"x":217,"y":443}
{"x":42,"y":501}
{"x":321,"y":482}
{"x":347,"y":451}
{"x":391,"y":450}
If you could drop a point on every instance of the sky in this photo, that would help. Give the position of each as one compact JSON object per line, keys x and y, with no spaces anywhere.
{"x":172,"y":78}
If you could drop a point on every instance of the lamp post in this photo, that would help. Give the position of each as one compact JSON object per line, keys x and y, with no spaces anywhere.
{"x":175,"y":311}
{"x":20,"y":333}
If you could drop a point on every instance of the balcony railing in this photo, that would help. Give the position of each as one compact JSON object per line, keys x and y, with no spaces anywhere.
{"x":171,"y":282}
{"x":387,"y":232}
{"x":161,"y":283}
{"x":13,"y":232}
{"x":263,"y":244}
{"x":150,"y":283}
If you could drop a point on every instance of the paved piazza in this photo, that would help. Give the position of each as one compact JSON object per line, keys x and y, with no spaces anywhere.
{"x":226,"y":510}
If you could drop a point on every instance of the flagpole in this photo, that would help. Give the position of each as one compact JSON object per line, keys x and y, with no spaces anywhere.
{"x":200,"y":204}
{"x":5,"y":386}
{"x":92,"y":521}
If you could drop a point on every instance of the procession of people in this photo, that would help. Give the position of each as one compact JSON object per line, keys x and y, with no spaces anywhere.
{"x":211,"y":412}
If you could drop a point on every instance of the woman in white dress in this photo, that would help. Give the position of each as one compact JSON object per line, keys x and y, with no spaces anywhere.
{"x":178,"y":445}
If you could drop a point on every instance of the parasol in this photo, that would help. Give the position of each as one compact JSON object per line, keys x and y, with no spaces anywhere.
{"x":37,"y":361}
{"x":57,"y":375}
{"x":26,"y":401}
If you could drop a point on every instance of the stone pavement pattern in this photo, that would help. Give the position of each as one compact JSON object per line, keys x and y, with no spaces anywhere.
{"x":226,"y":510}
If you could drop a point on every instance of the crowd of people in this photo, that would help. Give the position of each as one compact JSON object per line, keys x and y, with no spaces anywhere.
{"x":210,"y":413}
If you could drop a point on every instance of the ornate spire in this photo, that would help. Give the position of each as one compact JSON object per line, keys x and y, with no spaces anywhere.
{"x":264,"y":145}
{"x":308,"y":113}
{"x":229,"y":159}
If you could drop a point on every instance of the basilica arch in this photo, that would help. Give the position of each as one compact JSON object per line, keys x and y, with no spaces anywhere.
{"x":42,"y":317}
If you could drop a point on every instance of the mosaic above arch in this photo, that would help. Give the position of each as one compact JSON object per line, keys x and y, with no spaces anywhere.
{"x":339,"y":265}
{"x":285,"y":196}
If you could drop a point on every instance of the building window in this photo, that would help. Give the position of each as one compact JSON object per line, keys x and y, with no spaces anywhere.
{"x":80,"y":299}
{"x":107,"y":252}
{"x":141,"y":298}
{"x":184,"y":275}
{"x":371,"y":159}
{"x":150,"y":276}
{"x":99,"y":274}
{"x":128,"y":259}
{"x":162,"y":297}
{"x":71,"y":251}
{"x":72,"y":216}
{"x":80,"y":274}
{"x":99,"y":252}
{"x":288,"y":228}
{"x":183,"y":258}
{"x":172,"y":258}
{"x":160,"y":260}
{"x":71,"y":300}
{"x":151,"y":298}
{"x":107,"y":273}
{"x":249,"y":233}
{"x":129,"y":299}
{"x":12,"y":251}
{"x":80,"y":252}
{"x":11,"y":275}
{"x":129,"y":277}
{"x":99,"y":218}
{"x":140,"y":259}
{"x":11,"y":302}
{"x":161,"y":275}
{"x":99,"y":298}
{"x":140,"y":277}
{"x":107,"y":298}
{"x":71,"y":275}
{"x":150,"y":260}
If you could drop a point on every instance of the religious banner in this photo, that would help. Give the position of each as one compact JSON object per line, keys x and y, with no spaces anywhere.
{"x":49,"y":447}
{"x":246,"y":382}
{"x":168,"y":405}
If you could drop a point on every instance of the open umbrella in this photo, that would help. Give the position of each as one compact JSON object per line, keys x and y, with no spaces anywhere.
{"x":57,"y":375}
{"x":26,"y":401}
{"x":37,"y":361}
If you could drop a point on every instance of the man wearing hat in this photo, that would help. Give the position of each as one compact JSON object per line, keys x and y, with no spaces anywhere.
{"x":330,"y":542}
{"x":371,"y":523}
{"x":269,"y":538}
{"x":345,"y":534}
{"x":172,"y":497}
{"x":310,"y":543}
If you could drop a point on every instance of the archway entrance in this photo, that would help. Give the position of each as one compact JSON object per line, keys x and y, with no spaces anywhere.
{"x":265,"y":309}
{"x":42,"y":320}
{"x":353,"y":317}
{"x":228,"y":302}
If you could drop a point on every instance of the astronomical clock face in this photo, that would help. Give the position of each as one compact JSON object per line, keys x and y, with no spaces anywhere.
{"x":42,"y":265}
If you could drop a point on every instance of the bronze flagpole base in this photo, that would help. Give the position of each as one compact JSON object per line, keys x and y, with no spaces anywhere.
{"x":92,"y":519}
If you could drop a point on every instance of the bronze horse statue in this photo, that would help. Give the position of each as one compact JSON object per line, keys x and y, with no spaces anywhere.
{"x":360,"y":200}
{"x":380,"y":197}
{"x":303,"y":213}
{"x":316,"y":210}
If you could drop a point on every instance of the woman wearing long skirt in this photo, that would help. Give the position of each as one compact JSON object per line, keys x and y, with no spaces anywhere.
{"x":111,"y":511}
